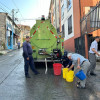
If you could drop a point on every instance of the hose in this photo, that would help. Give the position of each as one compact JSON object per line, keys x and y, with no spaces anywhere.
{"x":46,"y":66}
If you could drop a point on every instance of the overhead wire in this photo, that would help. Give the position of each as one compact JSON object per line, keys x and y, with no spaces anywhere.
{"x":17,"y":8}
{"x":5,"y":10}
{"x":39,"y":18}
{"x":5,"y":6}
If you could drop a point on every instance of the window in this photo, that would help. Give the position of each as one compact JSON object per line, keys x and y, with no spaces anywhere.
{"x":58,"y":7}
{"x":53,"y":1}
{"x":53,"y":12}
{"x":69,"y":4}
{"x":95,"y":17}
{"x":58,"y":30}
{"x":70,"y":25}
{"x":54,"y":22}
{"x":65,"y":3}
{"x":61,"y":0}
{"x":63,"y":30}
{"x":62,"y":12}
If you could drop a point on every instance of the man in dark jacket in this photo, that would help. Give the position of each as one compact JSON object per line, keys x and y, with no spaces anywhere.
{"x":28,"y":59}
{"x":65,"y":61}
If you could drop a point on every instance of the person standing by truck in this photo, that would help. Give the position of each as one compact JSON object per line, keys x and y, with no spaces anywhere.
{"x":92,"y":55}
{"x":28,"y":59}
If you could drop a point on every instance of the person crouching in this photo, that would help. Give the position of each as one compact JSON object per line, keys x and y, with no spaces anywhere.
{"x":82,"y":63}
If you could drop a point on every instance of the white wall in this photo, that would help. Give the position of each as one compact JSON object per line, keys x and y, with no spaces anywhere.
{"x":67,"y":14}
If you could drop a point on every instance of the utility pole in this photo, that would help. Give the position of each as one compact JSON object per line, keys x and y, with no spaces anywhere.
{"x":13,"y":19}
{"x":12,"y":29}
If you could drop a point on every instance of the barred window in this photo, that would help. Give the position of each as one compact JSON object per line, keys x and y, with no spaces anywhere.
{"x":95,"y":17}
{"x":62,"y":12}
{"x":70,"y":25}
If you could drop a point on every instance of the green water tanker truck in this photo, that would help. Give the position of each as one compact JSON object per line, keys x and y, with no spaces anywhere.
{"x":45,"y":41}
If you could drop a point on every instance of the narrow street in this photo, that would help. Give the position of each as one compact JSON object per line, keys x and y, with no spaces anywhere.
{"x":14,"y":86}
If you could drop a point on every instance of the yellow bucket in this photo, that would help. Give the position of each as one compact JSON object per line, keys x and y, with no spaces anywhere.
{"x":65,"y":70}
{"x":70,"y":76}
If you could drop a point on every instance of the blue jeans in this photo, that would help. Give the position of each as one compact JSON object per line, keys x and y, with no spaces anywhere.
{"x":30,"y":63}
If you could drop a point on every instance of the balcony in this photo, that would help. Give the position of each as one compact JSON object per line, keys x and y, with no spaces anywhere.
{"x":91,"y":21}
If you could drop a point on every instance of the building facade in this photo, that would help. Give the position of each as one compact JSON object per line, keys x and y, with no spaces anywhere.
{"x":25,"y":31}
{"x":55,"y":14}
{"x":75,"y":25}
{"x":9,"y":32}
{"x":67,"y":23}
{"x":89,"y":20}
{"x":72,"y":14}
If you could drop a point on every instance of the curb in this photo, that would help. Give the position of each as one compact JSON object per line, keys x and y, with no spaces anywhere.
{"x":4,"y":52}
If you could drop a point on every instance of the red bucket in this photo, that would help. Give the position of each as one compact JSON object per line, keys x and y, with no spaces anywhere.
{"x":57,"y":68}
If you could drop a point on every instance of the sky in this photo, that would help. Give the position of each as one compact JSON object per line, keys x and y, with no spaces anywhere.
{"x":28,"y":9}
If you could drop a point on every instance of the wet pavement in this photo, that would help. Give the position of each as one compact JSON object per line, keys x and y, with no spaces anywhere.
{"x":14,"y":86}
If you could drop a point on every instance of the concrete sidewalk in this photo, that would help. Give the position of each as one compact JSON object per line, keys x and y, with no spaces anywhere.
{"x":8,"y":50}
{"x":5,"y":51}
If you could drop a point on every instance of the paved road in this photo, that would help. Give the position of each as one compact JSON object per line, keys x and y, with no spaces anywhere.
{"x":14,"y":86}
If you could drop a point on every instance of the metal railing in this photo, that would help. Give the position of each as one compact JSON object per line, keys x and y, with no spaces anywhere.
{"x":91,"y":21}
